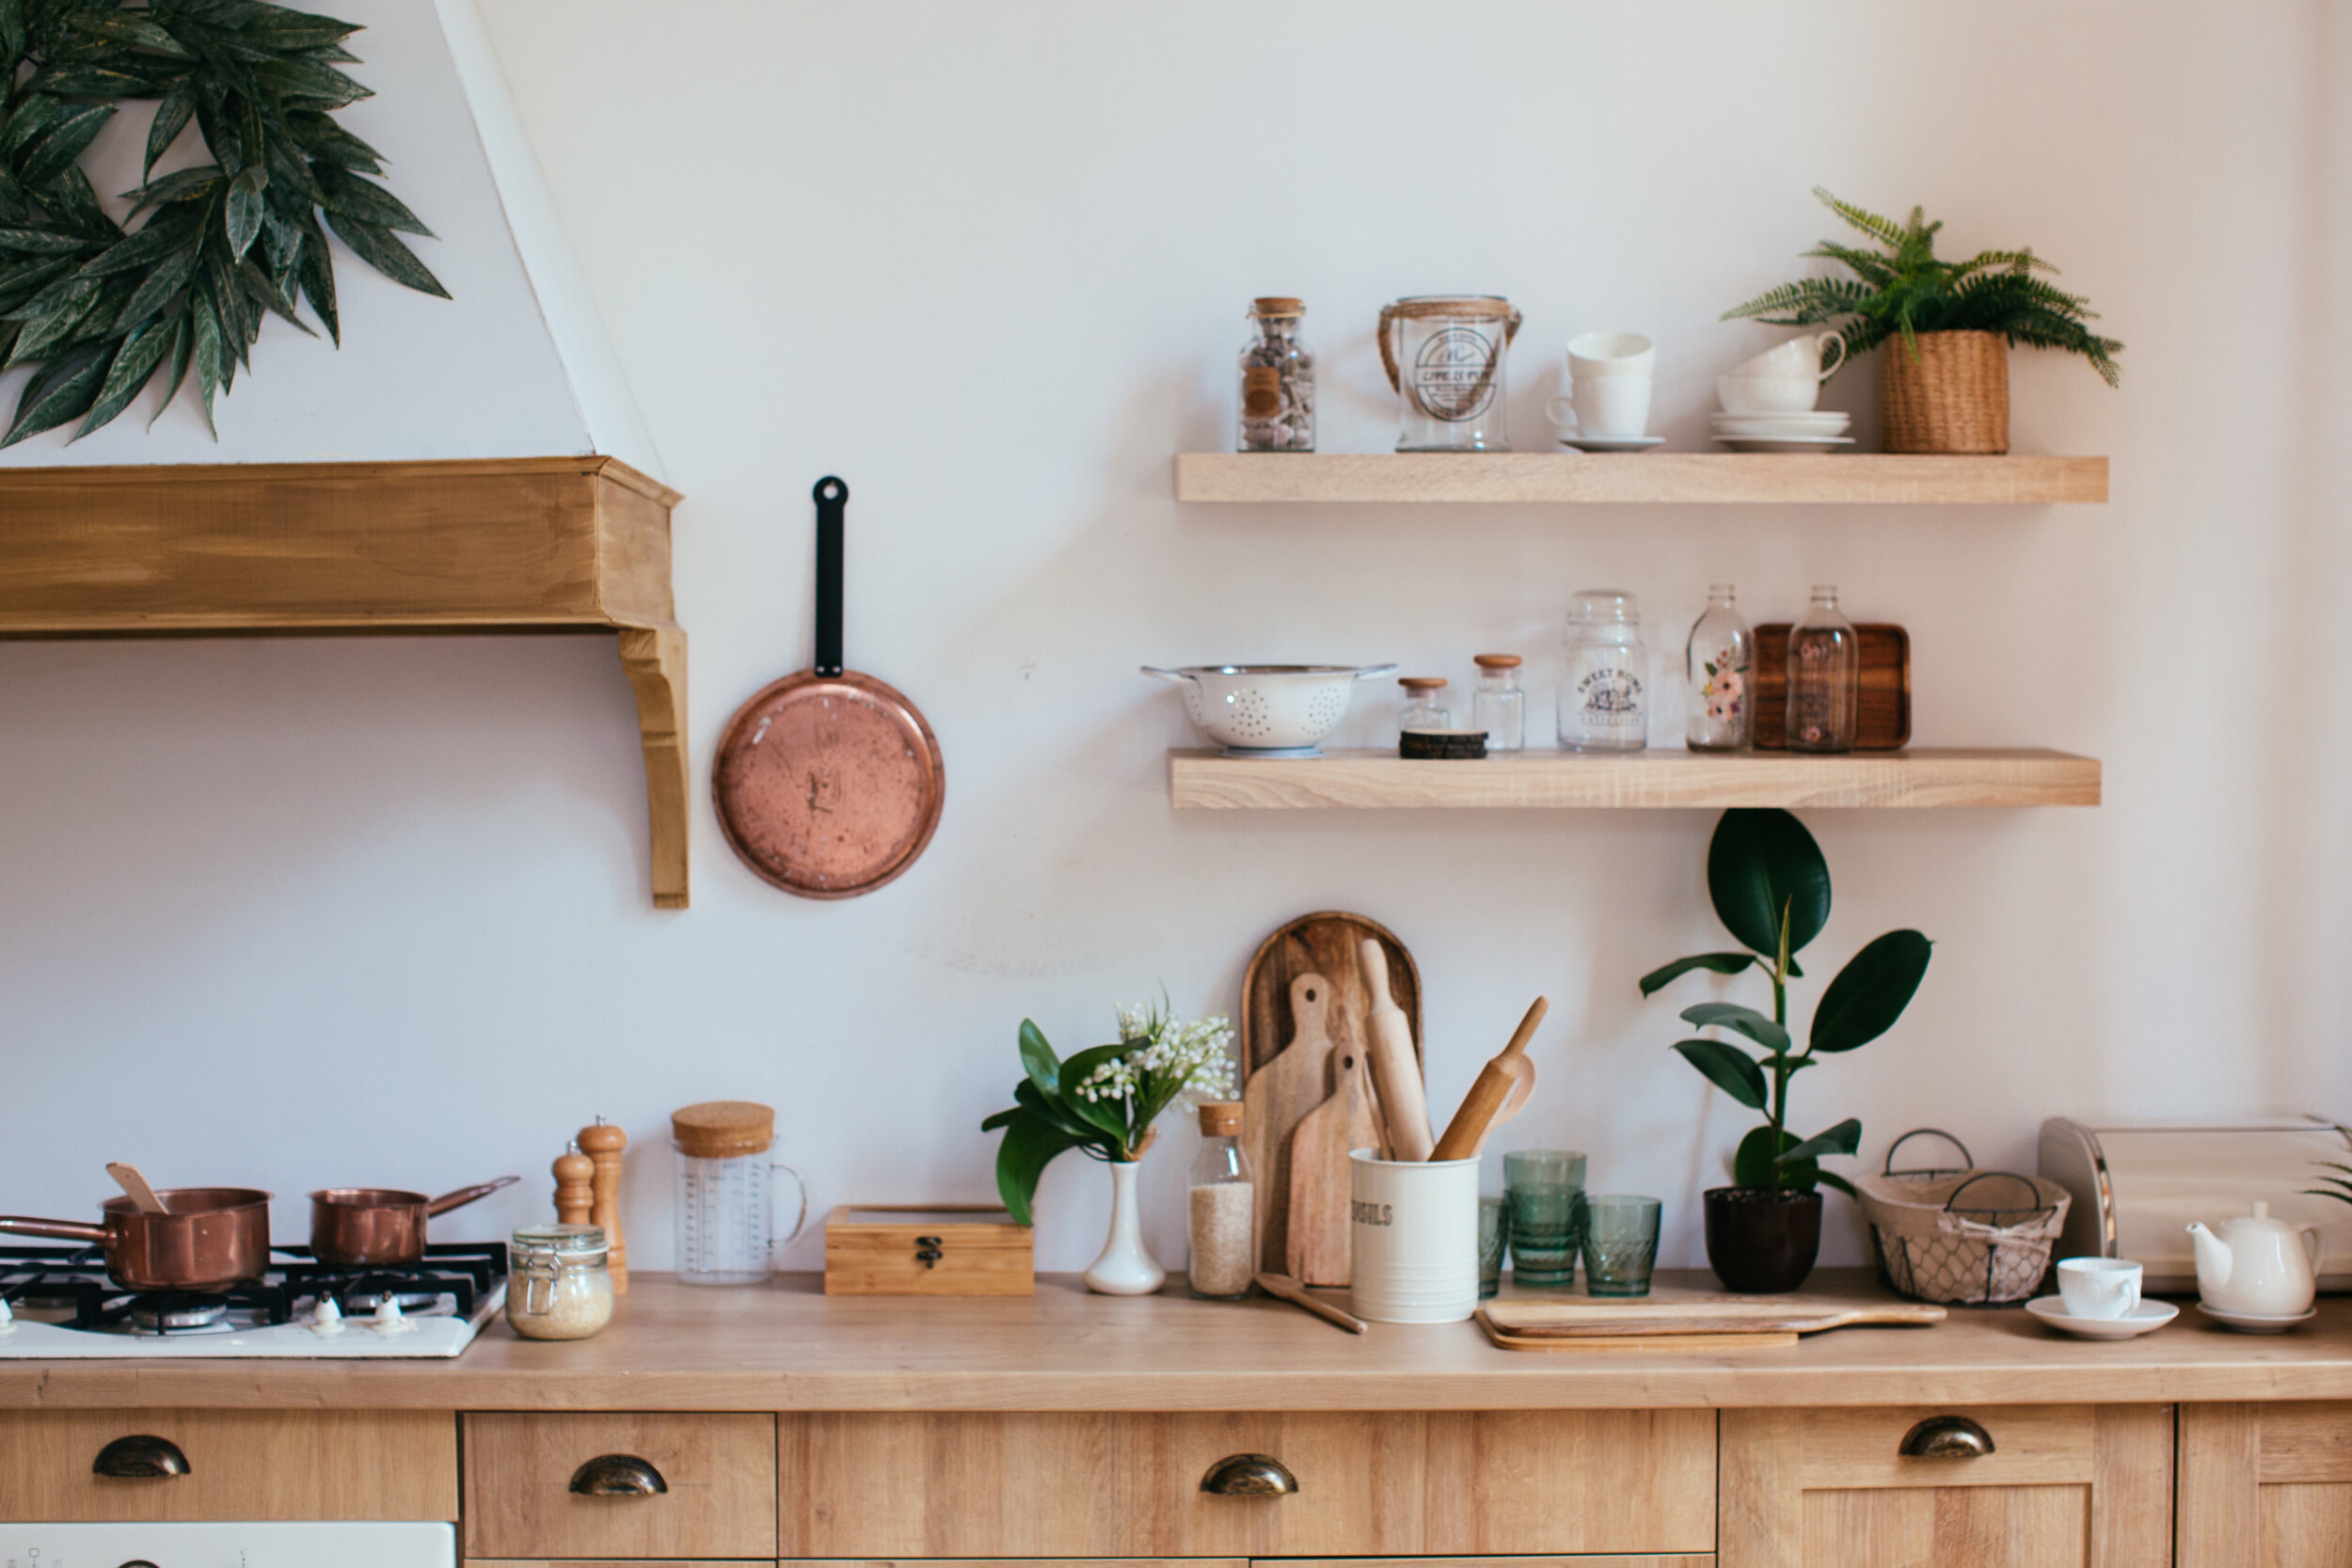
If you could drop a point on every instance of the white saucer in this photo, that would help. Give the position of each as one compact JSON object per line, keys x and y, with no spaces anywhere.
{"x":2257,"y":1322}
{"x":1800,"y":417}
{"x":2146,"y":1318}
{"x":1785,"y":443}
{"x":1775,"y":424}
{"x":1612,"y":443}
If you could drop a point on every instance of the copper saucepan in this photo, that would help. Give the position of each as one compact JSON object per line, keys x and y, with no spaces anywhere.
{"x":371,"y":1227}
{"x":207,"y":1238}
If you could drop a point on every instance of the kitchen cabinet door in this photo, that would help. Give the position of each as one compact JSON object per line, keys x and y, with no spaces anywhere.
{"x":2265,"y":1487}
{"x":2080,"y":1485}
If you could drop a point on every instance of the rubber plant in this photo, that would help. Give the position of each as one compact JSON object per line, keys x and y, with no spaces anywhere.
{"x":1770,"y":888}
{"x":1103,"y":1101}
{"x":99,"y":309}
{"x":1902,"y":289}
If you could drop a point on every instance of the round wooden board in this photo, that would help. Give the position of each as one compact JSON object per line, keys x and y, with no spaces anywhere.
{"x":1323,"y":944}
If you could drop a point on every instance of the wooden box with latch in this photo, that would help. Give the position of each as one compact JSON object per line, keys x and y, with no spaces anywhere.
{"x":936,"y":1249}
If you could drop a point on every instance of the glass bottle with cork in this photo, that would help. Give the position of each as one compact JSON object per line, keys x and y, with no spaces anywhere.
{"x":1424,"y":724}
{"x":1499,"y":706}
{"x":1824,"y":677}
{"x":1278,"y":381}
{"x":1224,"y":1208}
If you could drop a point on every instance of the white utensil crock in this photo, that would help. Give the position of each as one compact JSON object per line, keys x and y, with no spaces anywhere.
{"x":1414,"y":1225}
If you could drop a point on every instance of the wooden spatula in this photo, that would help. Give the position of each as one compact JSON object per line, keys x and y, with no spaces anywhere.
{"x":130,"y":1180}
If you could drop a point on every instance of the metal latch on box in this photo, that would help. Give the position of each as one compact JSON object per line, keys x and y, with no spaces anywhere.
{"x":927,"y":1250}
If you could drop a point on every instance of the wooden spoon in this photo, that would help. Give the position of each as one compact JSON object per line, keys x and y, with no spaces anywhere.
{"x":131,"y":1181}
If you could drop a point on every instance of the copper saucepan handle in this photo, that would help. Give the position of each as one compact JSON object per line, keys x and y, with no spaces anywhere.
{"x":464,"y":1195}
{"x":55,"y":1230}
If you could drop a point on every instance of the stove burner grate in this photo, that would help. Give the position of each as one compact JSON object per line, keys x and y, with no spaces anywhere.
{"x":75,"y":1279}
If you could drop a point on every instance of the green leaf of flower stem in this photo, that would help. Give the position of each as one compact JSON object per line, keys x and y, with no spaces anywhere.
{"x":1030,"y":1144}
{"x":1871,"y":991}
{"x":1037,"y":1057}
{"x":1028,"y":1096}
{"x":1844,"y":1138}
{"x":1108,"y":1115}
{"x":1722,"y":963}
{"x":1730,"y":1069}
{"x":379,"y":248}
{"x":348,"y":194}
{"x":1002,"y":1118}
{"x":132,"y":364}
{"x":244,"y":210}
{"x":1747,"y":1020}
{"x":1761,"y":862}
{"x":63,"y":392}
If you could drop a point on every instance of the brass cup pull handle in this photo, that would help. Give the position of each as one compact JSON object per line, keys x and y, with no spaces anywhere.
{"x":1946,"y":1437}
{"x":140,"y":1458}
{"x":618,"y":1475}
{"x":1249,"y":1475}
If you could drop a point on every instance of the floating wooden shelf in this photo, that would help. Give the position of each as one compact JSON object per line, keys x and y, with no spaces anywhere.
{"x":1360,"y":780}
{"x":1858,"y":478}
{"x":520,"y":545}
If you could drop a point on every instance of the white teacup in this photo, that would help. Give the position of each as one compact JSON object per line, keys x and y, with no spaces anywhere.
{"x":1817,"y":354}
{"x":1602,"y":354}
{"x":1604,"y":407}
{"x":1767,"y":394}
{"x":2099,"y":1287}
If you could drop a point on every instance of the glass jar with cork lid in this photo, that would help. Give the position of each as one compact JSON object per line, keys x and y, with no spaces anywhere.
{"x":1278,"y":381}
{"x":727,"y":1193}
{"x":558,"y":1285}
{"x":1224,"y":1208}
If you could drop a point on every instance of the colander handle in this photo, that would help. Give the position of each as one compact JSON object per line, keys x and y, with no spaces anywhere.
{"x":1176,"y":676}
{"x":1367,"y":672}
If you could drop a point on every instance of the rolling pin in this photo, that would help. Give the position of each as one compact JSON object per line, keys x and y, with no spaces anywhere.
{"x":1396,"y":1070}
{"x":1497,"y":1082}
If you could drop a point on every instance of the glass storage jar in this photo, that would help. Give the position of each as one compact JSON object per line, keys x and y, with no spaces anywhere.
{"x":1445,"y":355}
{"x":1499,"y":706}
{"x":1824,"y":677}
{"x":727,"y":1193}
{"x":558,"y":1286}
{"x":1604,"y":684}
{"x":1224,"y":1195}
{"x":1424,"y":711}
{"x":1717,"y":658}
{"x":1278,"y":381}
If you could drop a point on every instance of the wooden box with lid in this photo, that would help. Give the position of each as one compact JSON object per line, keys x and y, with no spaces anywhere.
{"x":939,"y":1249}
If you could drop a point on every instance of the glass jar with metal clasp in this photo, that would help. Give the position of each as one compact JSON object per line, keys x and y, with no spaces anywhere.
{"x":558,"y":1286}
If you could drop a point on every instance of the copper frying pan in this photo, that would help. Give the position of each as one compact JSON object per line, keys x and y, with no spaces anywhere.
{"x":828,"y":783}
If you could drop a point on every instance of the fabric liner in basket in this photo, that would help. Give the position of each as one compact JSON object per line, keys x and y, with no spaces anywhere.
{"x":1964,"y":1237}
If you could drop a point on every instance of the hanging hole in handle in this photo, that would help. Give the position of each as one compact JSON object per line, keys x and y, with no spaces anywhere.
{"x":1968,"y":1160}
{"x":830,"y":491}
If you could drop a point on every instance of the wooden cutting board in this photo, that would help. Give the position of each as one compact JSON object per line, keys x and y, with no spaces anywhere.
{"x":1327,"y":943}
{"x":1273,"y":1100}
{"x":1886,"y":717}
{"x":1320,"y":1239}
{"x":1590,"y":1342}
{"x":1670,"y":1315}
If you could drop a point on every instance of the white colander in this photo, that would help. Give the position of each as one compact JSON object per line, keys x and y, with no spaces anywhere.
{"x":1269,"y":711}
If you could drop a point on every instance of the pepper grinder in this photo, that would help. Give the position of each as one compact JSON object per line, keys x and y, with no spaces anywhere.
{"x":574,"y":1195}
{"x":603,"y":1144}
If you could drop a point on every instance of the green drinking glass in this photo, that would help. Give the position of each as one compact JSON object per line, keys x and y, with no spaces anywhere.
{"x":1620,"y":1237}
{"x":1542,"y":1189}
{"x":1493,"y":1234}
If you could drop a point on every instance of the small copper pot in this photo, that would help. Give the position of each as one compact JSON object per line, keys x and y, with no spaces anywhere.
{"x":373,"y":1228}
{"x":208,"y":1239}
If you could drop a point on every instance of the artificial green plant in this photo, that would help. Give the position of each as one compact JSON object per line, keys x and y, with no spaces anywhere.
{"x":1771,"y":888}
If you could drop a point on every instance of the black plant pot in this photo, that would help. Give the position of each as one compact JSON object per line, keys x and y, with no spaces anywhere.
{"x":1761,"y":1242}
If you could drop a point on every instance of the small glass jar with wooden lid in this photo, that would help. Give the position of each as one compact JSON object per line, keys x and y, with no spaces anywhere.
{"x":727,"y":1193}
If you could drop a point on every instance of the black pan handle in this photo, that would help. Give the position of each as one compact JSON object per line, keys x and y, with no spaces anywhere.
{"x":833,"y":498}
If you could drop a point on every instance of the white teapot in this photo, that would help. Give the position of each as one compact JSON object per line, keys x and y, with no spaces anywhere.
{"x":2258,"y":1266}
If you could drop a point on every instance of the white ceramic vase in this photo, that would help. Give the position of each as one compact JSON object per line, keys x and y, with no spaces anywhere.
{"x":1125,"y":1268}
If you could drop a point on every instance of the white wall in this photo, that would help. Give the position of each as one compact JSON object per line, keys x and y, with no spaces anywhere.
{"x":297,"y":912}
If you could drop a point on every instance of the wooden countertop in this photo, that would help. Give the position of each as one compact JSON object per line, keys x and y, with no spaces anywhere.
{"x":790,"y":1347}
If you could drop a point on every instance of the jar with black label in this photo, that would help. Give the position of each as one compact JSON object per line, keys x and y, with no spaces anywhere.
{"x":1604,"y":679}
{"x":1278,"y":381}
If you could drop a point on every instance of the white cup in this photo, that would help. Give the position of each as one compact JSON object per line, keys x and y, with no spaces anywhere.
{"x":1767,"y":394}
{"x":1817,"y":354}
{"x":1414,"y":1226}
{"x":1599,"y":354}
{"x":1604,"y":407}
{"x":2099,"y":1287}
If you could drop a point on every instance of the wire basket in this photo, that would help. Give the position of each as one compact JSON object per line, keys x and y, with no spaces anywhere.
{"x":1959,"y":1235}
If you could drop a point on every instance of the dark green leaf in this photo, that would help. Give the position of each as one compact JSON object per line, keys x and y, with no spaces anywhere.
{"x":1108,"y":1115}
{"x":315,"y":85}
{"x":275,"y":28}
{"x":21,"y":280}
{"x":1830,"y":1178}
{"x":34,"y":114}
{"x":167,"y":232}
{"x":62,"y":393}
{"x":381,"y":250}
{"x":1036,"y":1100}
{"x":1002,"y":1118}
{"x":126,"y":27}
{"x":1754,"y":1165}
{"x":188,"y":185}
{"x":263,"y":290}
{"x":1037,"y":1057}
{"x":317,"y":269}
{"x":13,"y":28}
{"x":1030,"y":1144}
{"x":208,"y":358}
{"x":243,"y":211}
{"x":1761,"y":862}
{"x":1844,"y":1138}
{"x":1731,"y":1070}
{"x":87,"y":81}
{"x":1871,"y":991}
{"x":182,"y":343}
{"x":171,"y":117}
{"x":1747,"y":1020}
{"x":39,"y":241}
{"x":132,"y":364}
{"x":350,"y":195}
{"x":330,"y":143}
{"x":1722,"y":963}
{"x":54,"y":150}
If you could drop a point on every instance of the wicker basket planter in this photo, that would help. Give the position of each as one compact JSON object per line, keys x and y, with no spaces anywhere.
{"x":1953,"y":398}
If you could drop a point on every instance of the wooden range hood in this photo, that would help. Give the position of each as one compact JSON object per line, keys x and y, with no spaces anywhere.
{"x":501,"y":544}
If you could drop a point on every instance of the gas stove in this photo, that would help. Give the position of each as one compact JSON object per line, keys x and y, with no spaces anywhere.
{"x":60,"y":1304}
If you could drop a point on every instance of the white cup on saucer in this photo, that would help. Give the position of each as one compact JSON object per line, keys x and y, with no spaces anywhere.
{"x":1767,"y":394}
{"x":1817,"y":354}
{"x":2099,"y":1287}
{"x":1604,"y":407}
{"x":1603,"y":354}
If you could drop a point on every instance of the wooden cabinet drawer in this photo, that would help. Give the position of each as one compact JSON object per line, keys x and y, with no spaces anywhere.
{"x":241,"y":1465}
{"x":1388,"y":1483}
{"x":2062,"y":1483}
{"x":720,"y":1472}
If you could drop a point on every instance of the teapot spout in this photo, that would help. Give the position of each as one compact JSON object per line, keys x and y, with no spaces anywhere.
{"x":2213,"y":1258}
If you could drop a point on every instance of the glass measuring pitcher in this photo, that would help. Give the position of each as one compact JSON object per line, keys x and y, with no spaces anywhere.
{"x":727,"y":1193}
{"x":1445,"y":355}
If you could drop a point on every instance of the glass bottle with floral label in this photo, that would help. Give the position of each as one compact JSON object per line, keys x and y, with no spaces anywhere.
{"x":1604,"y":682}
{"x":1720,"y":651}
{"x":1278,"y":381}
{"x":1824,"y":677}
